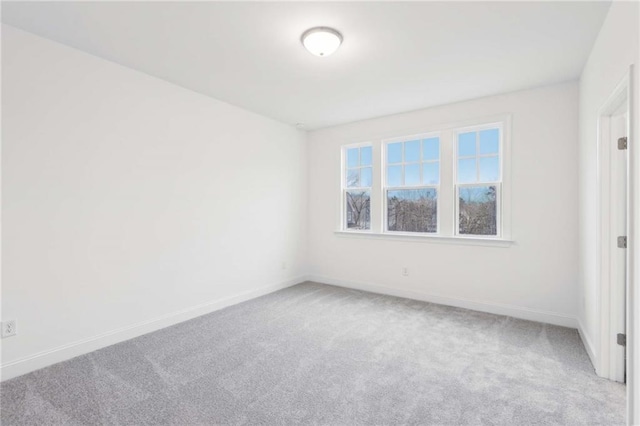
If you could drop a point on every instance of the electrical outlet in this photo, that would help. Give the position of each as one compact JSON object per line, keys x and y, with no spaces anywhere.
{"x":8,"y":328}
{"x":405,"y":271}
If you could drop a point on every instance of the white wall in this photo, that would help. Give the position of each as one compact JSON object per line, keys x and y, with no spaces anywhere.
{"x":128,"y":199}
{"x":536,"y":278}
{"x":615,"y":49}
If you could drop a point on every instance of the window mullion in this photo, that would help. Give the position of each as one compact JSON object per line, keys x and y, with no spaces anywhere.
{"x":477,"y":157}
{"x":377,"y":186}
{"x":446,"y":187}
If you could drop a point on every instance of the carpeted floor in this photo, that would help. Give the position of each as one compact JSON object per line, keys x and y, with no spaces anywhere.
{"x":317,"y":354}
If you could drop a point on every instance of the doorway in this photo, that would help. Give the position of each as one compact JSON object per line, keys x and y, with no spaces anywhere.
{"x":613,"y":224}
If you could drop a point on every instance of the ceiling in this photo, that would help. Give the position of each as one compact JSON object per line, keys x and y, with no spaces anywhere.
{"x":395,"y":57}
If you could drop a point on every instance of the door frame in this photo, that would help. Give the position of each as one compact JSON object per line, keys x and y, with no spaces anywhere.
{"x":606,"y":362}
{"x":607,"y":276}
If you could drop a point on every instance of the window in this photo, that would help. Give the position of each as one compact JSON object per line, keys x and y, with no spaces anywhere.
{"x":356,"y":187}
{"x":411,"y":187}
{"x":478,"y":180}
{"x":452,"y":182}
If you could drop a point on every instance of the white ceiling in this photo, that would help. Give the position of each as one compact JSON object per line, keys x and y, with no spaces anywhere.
{"x":396,"y":57}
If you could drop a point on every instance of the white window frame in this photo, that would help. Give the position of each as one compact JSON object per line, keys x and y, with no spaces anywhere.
{"x":344,"y":188}
{"x":478,"y":156}
{"x":447,"y":189}
{"x":386,"y":189}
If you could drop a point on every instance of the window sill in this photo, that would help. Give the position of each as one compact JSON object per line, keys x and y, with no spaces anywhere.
{"x":437,"y":239}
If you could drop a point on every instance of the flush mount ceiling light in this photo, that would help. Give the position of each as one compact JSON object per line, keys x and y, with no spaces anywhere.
{"x":321,"y":41}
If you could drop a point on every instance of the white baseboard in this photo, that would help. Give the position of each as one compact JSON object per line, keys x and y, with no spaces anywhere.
{"x":62,"y":353}
{"x":586,"y":341}
{"x":474,"y":305}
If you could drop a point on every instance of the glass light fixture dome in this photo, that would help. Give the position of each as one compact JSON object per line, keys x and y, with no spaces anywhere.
{"x":321,"y":41}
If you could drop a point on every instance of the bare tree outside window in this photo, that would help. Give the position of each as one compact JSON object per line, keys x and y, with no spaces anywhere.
{"x":412,"y":210}
{"x":358,"y":210}
{"x":478,"y":210}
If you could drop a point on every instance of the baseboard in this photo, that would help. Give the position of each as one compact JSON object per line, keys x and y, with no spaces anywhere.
{"x":62,"y":353}
{"x":474,"y":305}
{"x":586,"y":341}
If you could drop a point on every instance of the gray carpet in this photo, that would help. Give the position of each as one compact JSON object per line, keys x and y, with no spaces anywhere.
{"x":317,"y":354}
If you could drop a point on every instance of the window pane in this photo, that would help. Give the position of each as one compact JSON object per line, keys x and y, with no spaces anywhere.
{"x":467,"y":170}
{"x":431,"y":149}
{"x":412,"y":151}
{"x":477,"y":210}
{"x":489,"y":141}
{"x":412,"y":210}
{"x":353,"y":178}
{"x":489,"y":169}
{"x":358,"y":209}
{"x":365,"y":156}
{"x":353,"y":158}
{"x":394,"y":153}
{"x":466,"y":144}
{"x":365,"y":176}
{"x":412,"y":174}
{"x":431,"y":173}
{"x":394,"y":176}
